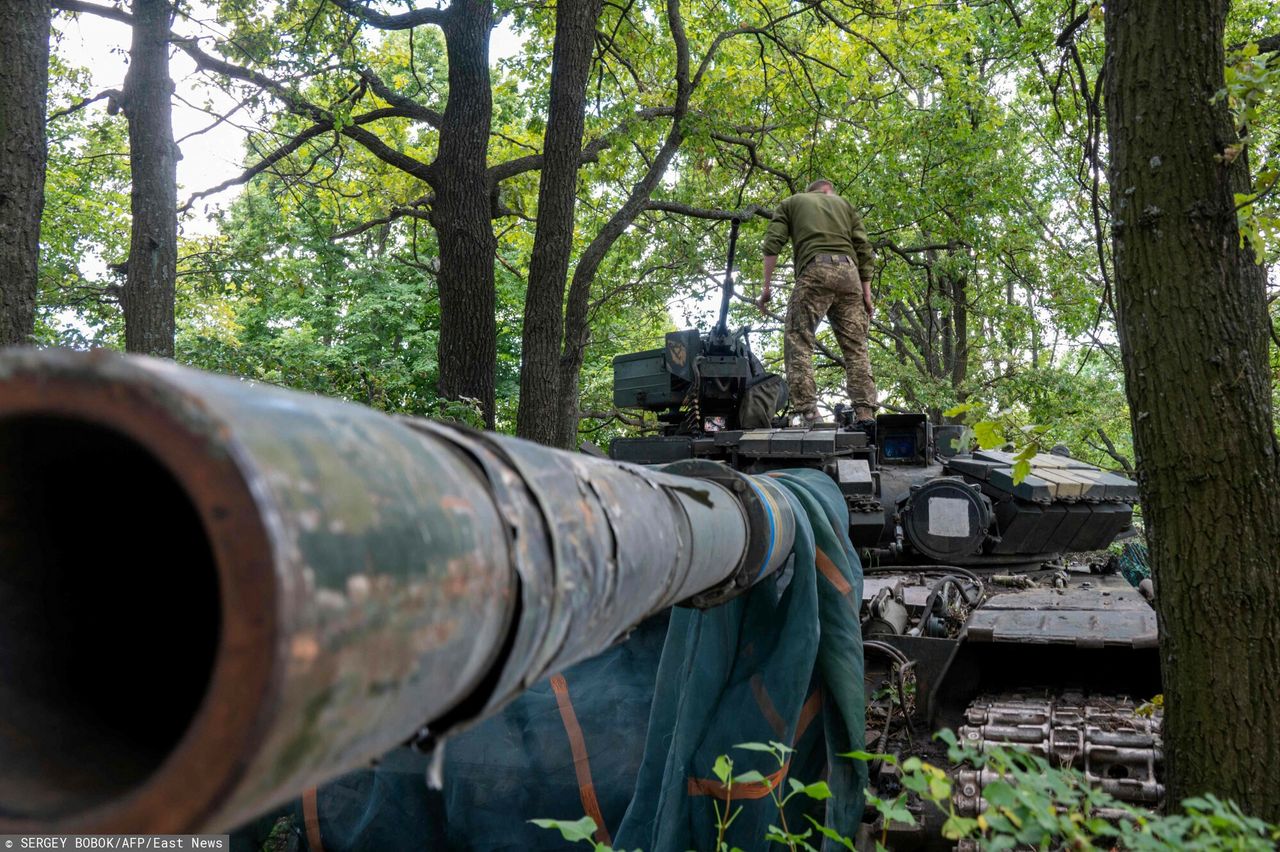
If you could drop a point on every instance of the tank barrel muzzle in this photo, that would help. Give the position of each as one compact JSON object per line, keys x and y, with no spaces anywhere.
{"x":215,"y":594}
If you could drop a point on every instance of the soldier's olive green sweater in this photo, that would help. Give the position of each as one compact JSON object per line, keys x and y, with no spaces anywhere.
{"x":818,"y":223}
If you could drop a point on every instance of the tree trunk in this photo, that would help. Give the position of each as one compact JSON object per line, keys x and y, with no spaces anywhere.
{"x":153,"y":163}
{"x":24,"y":83}
{"x":553,"y":242}
{"x":462,"y":213}
{"x":1193,"y":332}
{"x":577,"y":322}
{"x":960,"y":327}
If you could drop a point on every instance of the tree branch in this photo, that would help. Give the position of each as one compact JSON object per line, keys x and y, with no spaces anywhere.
{"x":84,"y":102}
{"x":93,"y":9}
{"x":708,"y":213}
{"x":753,"y":150}
{"x":1064,"y":38}
{"x":1111,"y":451}
{"x":285,"y":150}
{"x":1266,"y":44}
{"x":590,"y":152}
{"x":301,"y":106}
{"x":411,"y":108}
{"x":262,"y":165}
{"x":413,"y":209}
{"x":404,"y":21}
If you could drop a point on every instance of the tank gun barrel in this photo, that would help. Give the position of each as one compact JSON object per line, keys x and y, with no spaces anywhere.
{"x":333,"y":580}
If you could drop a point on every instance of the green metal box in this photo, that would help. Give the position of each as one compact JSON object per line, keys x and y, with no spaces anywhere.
{"x":642,"y":380}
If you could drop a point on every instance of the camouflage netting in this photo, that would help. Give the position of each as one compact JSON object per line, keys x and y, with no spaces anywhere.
{"x":630,"y":737}
{"x":1133,"y":563}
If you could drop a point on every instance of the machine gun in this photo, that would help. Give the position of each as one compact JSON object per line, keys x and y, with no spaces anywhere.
{"x":699,"y":383}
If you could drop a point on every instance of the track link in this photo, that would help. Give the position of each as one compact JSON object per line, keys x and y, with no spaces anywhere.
{"x":1101,"y":736}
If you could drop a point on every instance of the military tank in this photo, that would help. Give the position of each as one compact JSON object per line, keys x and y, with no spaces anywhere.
{"x":975,"y":614}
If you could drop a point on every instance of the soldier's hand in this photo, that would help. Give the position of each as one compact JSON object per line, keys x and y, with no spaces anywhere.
{"x":765,"y":298}
{"x":867,"y":302}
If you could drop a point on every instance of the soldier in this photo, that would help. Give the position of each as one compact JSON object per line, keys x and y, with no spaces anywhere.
{"x":826,"y":234}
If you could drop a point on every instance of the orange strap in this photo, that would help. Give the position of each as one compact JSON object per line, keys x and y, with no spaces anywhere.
{"x":832,"y":573}
{"x":748,"y":790}
{"x":767,"y":709}
{"x":812,"y":707}
{"x":759,"y":789}
{"x":581,"y":765}
{"x":311,"y":819}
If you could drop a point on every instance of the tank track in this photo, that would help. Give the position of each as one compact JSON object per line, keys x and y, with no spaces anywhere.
{"x":1101,"y":736}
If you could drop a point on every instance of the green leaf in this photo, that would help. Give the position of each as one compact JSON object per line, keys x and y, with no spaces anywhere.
{"x":988,"y":434}
{"x":818,"y":790}
{"x":947,"y":735}
{"x":958,"y":827}
{"x":756,"y":747}
{"x":1021,"y":470}
{"x":868,"y":757}
{"x":723,"y":768}
{"x":892,"y":811}
{"x":999,"y":794}
{"x":958,"y":410}
{"x":574,"y":832}
{"x":752,"y":777}
{"x":830,"y":834}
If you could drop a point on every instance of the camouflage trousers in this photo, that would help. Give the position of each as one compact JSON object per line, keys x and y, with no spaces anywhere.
{"x":833,"y":290}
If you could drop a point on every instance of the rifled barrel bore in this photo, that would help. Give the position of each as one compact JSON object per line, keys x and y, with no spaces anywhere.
{"x":214,"y":594}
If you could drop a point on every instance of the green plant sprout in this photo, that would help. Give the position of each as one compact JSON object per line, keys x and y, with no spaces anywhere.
{"x":1032,"y":804}
{"x":818,"y":790}
{"x":1029,"y":803}
{"x":990,"y":434}
{"x":577,"y":831}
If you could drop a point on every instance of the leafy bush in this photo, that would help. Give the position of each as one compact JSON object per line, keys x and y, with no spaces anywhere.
{"x":1030,"y":804}
{"x":1033,"y":804}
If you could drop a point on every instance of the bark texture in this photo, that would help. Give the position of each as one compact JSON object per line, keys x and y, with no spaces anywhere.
{"x":577,"y":326}
{"x":462,"y":212}
{"x":153,"y":162}
{"x":553,"y":242}
{"x":24,"y":83}
{"x":1193,"y":332}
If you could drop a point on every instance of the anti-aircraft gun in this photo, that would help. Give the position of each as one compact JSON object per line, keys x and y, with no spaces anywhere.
{"x":968,"y":584}
{"x":701,"y":383}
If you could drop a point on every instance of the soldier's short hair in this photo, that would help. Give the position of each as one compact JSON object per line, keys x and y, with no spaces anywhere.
{"x":821,"y":183}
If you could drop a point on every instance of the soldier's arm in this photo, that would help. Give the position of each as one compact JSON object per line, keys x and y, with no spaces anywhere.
{"x":774,"y":241}
{"x":866,"y":256}
{"x":862,"y":246}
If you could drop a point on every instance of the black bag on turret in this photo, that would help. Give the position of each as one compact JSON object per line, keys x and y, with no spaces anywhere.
{"x":762,"y":401}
